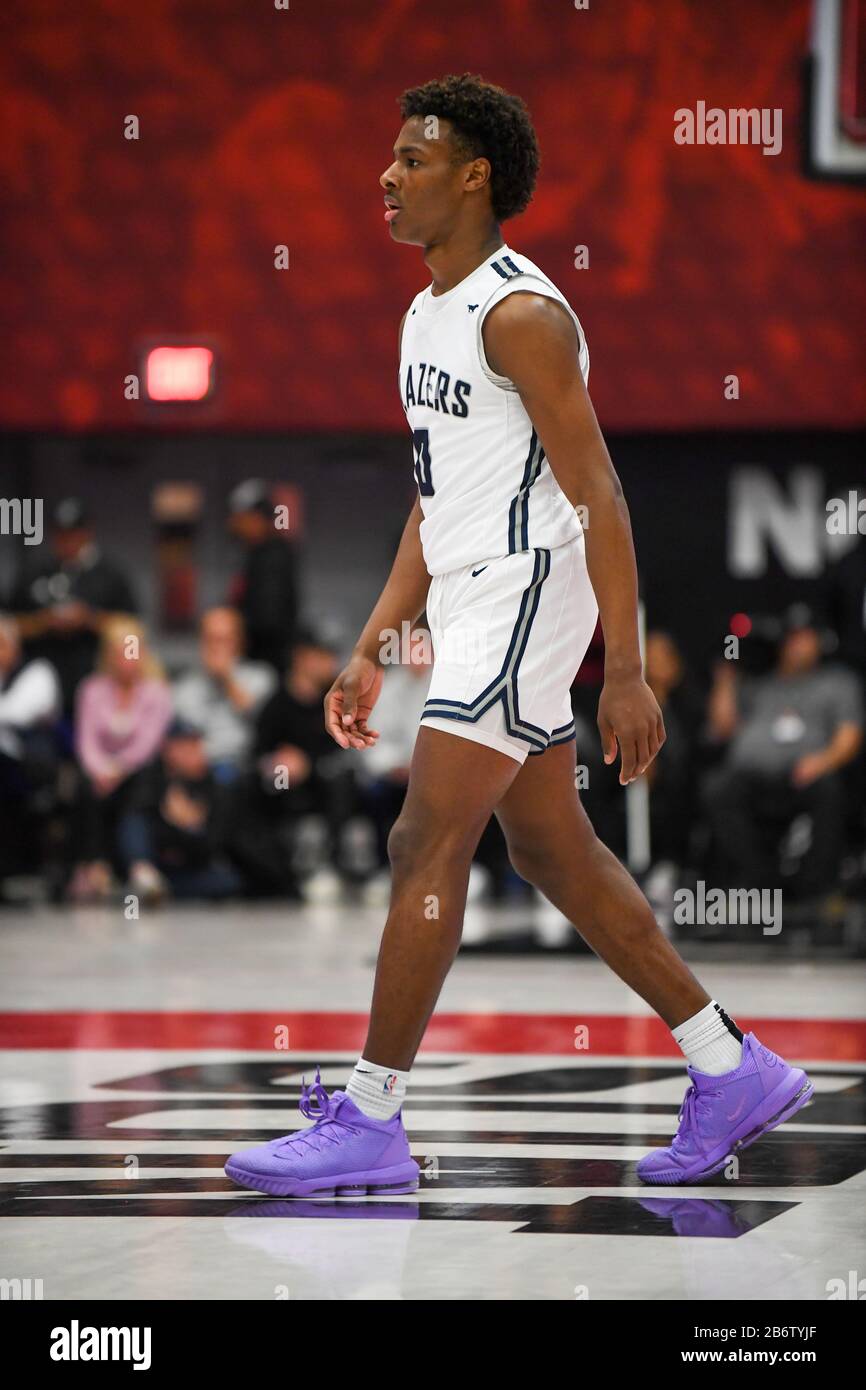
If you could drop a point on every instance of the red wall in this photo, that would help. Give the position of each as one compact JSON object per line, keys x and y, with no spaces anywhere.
{"x":262,"y":126}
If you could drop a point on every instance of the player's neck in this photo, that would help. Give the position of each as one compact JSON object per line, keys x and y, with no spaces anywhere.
{"x":451,"y":261}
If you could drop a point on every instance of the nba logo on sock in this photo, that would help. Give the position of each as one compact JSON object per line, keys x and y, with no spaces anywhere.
{"x":390,"y":1083}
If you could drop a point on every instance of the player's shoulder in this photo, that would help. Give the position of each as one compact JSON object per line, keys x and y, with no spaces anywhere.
{"x":510,"y":270}
{"x":534,"y":307}
{"x":539,"y":316}
{"x":510,"y":264}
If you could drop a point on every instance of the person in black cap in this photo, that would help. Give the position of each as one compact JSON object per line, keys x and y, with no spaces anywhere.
{"x":265,"y":590}
{"x":175,"y":830}
{"x":60,"y":608}
{"x":295,"y":774}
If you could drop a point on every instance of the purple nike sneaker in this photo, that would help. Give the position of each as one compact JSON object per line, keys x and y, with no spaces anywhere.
{"x":344,"y":1152}
{"x":721,"y":1114}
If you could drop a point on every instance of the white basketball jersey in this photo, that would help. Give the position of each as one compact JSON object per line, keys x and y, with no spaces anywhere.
{"x":485,"y":485}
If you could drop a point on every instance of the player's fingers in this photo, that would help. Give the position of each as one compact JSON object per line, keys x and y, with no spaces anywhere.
{"x":358,"y":735}
{"x":350,"y":700}
{"x":608,"y":740}
{"x":653,"y":743}
{"x":333,"y":709}
{"x":628,"y":760}
{"x":642,"y":752}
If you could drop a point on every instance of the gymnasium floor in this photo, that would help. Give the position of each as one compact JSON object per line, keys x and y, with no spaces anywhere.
{"x":135,"y":1055}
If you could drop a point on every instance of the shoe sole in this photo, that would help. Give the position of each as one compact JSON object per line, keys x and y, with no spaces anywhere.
{"x":386,"y":1182}
{"x":747,"y":1133}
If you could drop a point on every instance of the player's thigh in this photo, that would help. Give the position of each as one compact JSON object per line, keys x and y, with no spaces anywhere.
{"x":541,"y":816}
{"x":454,"y":785}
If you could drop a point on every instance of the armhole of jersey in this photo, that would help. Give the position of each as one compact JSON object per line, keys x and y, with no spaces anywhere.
{"x":405,"y":320}
{"x":527,"y":284}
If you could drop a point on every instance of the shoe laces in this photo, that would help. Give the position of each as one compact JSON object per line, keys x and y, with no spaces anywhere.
{"x":688,"y":1115}
{"x":316,"y":1104}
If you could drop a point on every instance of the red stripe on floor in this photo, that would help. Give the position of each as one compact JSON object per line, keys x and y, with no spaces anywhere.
{"x":818,"y":1039}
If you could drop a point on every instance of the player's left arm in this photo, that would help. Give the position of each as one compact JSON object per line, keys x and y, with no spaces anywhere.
{"x":532,"y":340}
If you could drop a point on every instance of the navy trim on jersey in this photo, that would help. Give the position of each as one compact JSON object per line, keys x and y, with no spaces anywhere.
{"x":518,"y":512}
{"x":510,"y":272}
{"x":503,"y":687}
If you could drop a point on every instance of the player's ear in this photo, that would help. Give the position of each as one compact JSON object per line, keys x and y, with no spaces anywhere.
{"x":476,"y":175}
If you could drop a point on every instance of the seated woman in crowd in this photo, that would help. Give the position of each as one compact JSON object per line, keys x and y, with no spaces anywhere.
{"x":122,"y":713}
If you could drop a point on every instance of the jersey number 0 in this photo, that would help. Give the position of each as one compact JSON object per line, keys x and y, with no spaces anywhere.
{"x":423,"y":469}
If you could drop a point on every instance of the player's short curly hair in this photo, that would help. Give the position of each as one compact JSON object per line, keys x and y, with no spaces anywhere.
{"x":487,"y":122}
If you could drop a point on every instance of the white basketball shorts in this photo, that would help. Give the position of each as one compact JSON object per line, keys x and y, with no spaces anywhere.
{"x":508,"y":638}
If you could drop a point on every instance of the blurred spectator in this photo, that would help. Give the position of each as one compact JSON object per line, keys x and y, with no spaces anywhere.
{"x":384,"y":768}
{"x":175,"y":830}
{"x":29,"y":705}
{"x":790,"y":733}
{"x":844,"y":592}
{"x":60,"y":609}
{"x":29,"y":691}
{"x":671,"y":774}
{"x":299,"y":774}
{"x":224,"y":696}
{"x":266,"y":589}
{"x":121,"y":716}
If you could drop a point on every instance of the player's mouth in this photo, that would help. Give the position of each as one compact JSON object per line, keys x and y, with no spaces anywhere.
{"x":392,"y":209}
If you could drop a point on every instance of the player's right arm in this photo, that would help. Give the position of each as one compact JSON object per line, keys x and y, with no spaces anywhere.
{"x":351,"y":698}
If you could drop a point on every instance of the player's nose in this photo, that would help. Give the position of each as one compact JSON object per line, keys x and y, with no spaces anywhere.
{"x":387,"y":180}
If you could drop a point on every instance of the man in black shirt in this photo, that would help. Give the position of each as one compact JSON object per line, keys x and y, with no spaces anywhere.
{"x":296,"y":771}
{"x":177,"y":828}
{"x":59,"y":608}
{"x":266,"y":589}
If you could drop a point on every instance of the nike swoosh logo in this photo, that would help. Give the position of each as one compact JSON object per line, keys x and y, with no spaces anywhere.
{"x":477,"y":572}
{"x":738,"y":1111}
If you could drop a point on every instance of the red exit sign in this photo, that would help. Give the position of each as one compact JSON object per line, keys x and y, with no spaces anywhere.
{"x":178,"y":373}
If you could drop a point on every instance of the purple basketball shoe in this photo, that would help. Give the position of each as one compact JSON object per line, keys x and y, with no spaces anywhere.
{"x":721,"y":1114}
{"x":344,"y":1153}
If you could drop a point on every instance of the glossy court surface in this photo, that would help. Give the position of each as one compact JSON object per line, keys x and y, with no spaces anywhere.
{"x":135,"y":1056}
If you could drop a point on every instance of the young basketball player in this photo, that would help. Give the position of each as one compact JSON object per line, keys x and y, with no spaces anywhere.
{"x":508,"y":457}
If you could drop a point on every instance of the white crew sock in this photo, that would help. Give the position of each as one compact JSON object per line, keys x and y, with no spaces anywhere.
{"x":711,"y":1042}
{"x":377,"y":1091}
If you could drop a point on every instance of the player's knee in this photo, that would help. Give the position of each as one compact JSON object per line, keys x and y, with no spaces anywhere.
{"x":548,"y":864}
{"x":399,"y":844}
{"x":420,"y":843}
{"x":531,"y":862}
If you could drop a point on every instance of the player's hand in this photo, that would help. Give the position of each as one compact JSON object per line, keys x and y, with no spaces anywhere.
{"x":628,"y":715}
{"x":349,"y":702}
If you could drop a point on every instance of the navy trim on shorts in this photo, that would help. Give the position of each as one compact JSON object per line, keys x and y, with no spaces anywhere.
{"x":503,"y":687}
{"x":564,"y":734}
